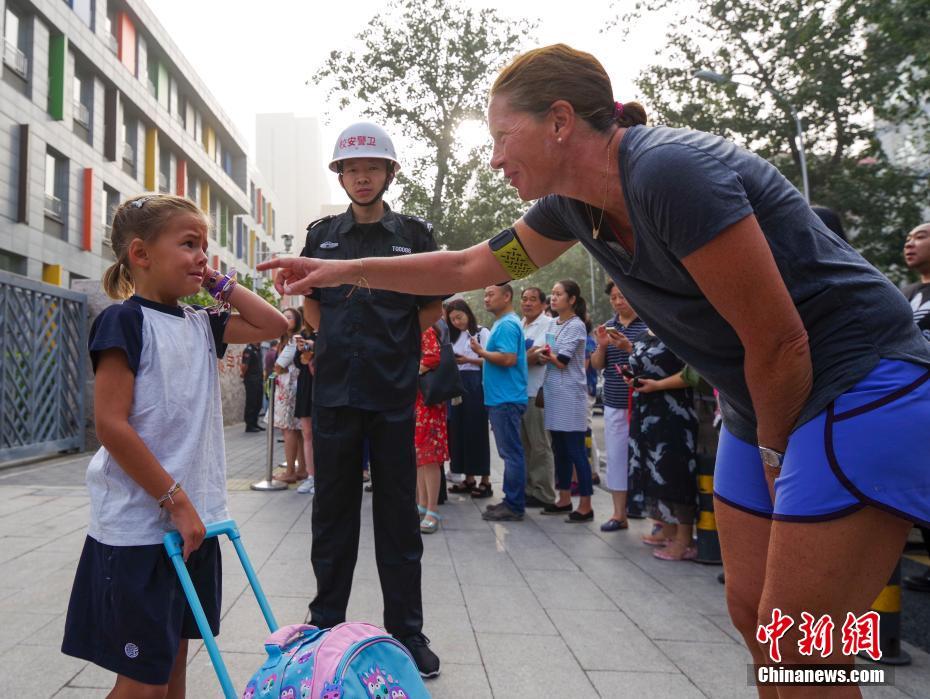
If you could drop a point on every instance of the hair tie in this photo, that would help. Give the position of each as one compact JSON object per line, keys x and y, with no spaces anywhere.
{"x":618,"y":110}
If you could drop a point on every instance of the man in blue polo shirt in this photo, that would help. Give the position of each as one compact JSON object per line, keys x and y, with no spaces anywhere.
{"x":504,"y":382}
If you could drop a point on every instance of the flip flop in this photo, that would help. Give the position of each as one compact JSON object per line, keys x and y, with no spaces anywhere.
{"x":689,"y":554}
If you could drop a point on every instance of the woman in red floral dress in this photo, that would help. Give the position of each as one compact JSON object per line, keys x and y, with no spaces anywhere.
{"x":430,"y":439}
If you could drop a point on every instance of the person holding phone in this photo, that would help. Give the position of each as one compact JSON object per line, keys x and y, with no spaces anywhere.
{"x":663,"y":437}
{"x":614,"y":344}
{"x":469,"y":439}
{"x":567,"y":401}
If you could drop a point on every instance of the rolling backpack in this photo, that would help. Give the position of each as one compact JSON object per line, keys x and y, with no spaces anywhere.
{"x":349,"y":661}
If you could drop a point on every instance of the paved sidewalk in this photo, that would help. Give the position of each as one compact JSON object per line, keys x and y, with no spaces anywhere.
{"x":538,"y":608}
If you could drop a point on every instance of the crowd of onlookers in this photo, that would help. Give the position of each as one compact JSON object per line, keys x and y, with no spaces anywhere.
{"x":535,"y":379}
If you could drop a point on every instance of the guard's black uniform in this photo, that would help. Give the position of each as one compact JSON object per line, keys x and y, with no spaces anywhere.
{"x":365,"y":386}
{"x":252,"y":358}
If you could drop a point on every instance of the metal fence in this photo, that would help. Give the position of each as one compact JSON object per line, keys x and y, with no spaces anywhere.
{"x":43,"y":336}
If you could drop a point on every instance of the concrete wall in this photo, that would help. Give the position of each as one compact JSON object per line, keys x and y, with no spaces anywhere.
{"x":230,"y":384}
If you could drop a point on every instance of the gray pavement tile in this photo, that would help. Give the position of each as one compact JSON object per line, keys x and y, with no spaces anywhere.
{"x":884,"y":693}
{"x":459,"y":681}
{"x":532,"y":666}
{"x":18,"y":626}
{"x":719,"y":670}
{"x":93,"y":676}
{"x":34,"y":566}
{"x":655,"y":685}
{"x":49,"y":635}
{"x":287,"y":578}
{"x":476,"y":569}
{"x":576,"y":547}
{"x":663,"y":616}
{"x":605,"y":640}
{"x":50,"y":597}
{"x":201,"y":677}
{"x":440,"y":586}
{"x":506,"y":609}
{"x":913,"y":679}
{"x":702,"y":592}
{"x":33,"y":674}
{"x":723,"y":622}
{"x":618,"y":575}
{"x":13,"y":546}
{"x":243,"y":629}
{"x":75,"y":693}
{"x":559,"y":589}
{"x":16,"y":500}
{"x":451,"y":635}
{"x":69,"y":542}
{"x":555,"y":525}
{"x":533,"y":550}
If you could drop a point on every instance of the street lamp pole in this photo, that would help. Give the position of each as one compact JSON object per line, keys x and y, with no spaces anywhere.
{"x":712,"y":77}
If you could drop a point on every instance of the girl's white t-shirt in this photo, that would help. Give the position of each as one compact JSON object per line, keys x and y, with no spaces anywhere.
{"x":462,"y":346}
{"x":176,"y":410}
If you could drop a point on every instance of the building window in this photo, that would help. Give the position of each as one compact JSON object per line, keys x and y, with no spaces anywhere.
{"x":11,"y":262}
{"x":56,"y":194}
{"x":14,"y":51}
{"x":82,"y":99}
{"x":130,"y":132}
{"x":84,"y":9}
{"x":110,"y":201}
{"x":109,"y":36}
{"x":193,"y":189}
{"x":164,"y":170}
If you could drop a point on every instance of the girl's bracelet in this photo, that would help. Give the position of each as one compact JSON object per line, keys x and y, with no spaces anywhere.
{"x":169,"y":496}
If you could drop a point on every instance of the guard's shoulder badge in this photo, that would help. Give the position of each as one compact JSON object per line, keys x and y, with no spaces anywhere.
{"x":421,"y":221}
{"x":316,"y":223}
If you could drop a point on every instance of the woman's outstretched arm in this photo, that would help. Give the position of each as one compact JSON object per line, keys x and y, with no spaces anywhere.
{"x":425,"y":274}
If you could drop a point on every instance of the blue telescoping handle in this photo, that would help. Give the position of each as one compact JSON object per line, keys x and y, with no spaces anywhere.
{"x":175,"y":547}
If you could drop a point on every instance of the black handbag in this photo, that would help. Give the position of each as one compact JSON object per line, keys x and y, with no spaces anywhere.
{"x":442,"y":383}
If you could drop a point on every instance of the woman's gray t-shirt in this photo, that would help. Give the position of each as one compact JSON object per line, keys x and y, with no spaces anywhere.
{"x":682,"y":188}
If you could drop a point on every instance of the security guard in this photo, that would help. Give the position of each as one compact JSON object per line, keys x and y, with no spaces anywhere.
{"x":250,"y":369}
{"x":365,"y":387}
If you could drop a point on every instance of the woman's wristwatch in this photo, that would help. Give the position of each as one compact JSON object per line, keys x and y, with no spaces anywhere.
{"x":771,"y":457}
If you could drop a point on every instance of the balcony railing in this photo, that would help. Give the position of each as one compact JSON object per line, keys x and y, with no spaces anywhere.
{"x":112,"y":43}
{"x":81,"y":113}
{"x":53,"y":207}
{"x":129,"y":155}
{"x":153,"y":89}
{"x":15,"y":58}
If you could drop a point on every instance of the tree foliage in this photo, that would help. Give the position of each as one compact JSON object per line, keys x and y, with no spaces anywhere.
{"x":423,"y":68}
{"x":848,"y":67}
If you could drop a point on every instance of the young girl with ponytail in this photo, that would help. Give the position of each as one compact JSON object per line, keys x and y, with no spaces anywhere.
{"x":162,"y":465}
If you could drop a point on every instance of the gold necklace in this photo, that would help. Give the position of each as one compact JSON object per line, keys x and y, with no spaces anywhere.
{"x":596,"y":230}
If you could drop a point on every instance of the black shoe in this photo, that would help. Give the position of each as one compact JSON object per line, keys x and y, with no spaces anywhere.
{"x":427,"y":661}
{"x":720,"y":579}
{"x":533,"y":501}
{"x":576,"y":517}
{"x":918,"y":583}
{"x":502,"y":514}
{"x":260,"y":428}
{"x":554,"y":509}
{"x":253,"y":428}
{"x":494,"y":506}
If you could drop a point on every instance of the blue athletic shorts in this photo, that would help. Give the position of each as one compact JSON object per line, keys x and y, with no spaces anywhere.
{"x":869,"y":447}
{"x":128,"y":612}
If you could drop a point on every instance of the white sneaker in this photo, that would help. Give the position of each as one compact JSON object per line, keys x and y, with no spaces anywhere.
{"x":307,"y":487}
{"x":455,"y":477}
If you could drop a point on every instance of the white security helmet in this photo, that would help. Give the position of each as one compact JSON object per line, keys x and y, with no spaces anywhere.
{"x":363,"y":140}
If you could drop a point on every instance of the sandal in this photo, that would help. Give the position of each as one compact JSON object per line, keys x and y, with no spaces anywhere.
{"x":689,"y":554}
{"x":302,"y":476}
{"x":482,"y":490}
{"x":286,"y":478}
{"x":428,"y":526}
{"x":652,"y":540}
{"x":463,"y":488}
{"x":422,"y":510}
